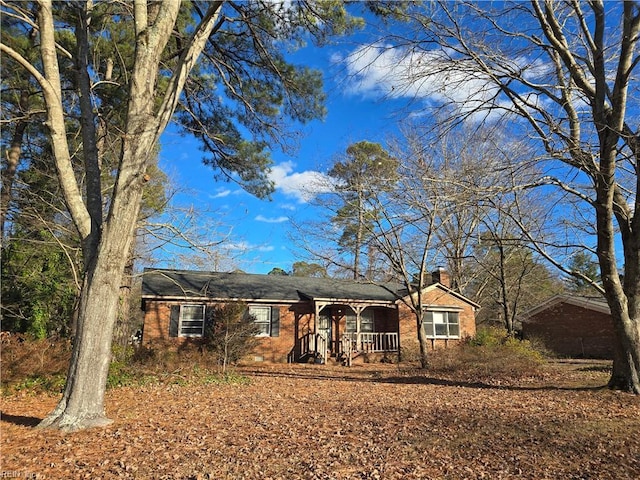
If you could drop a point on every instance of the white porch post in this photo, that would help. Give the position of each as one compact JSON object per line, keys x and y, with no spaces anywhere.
{"x":398,"y":321}
{"x":315,"y":326}
{"x":358,"y":311}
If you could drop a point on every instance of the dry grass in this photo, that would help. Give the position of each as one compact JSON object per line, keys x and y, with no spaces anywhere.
{"x":33,"y":365}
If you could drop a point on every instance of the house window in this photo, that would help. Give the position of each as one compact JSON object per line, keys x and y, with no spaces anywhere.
{"x":366,"y":322}
{"x":191,"y":321}
{"x":441,"y":324}
{"x":262,"y":318}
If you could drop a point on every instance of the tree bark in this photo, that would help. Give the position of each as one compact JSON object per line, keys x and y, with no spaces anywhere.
{"x":122,"y":332}
{"x":13,"y":159}
{"x":423,"y":341}
{"x":82,"y":404}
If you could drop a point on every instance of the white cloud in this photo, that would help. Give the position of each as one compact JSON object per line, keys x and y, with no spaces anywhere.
{"x":382,"y":71}
{"x":303,"y":186}
{"x":247,"y":247}
{"x":221,"y":193}
{"x":262,"y":218}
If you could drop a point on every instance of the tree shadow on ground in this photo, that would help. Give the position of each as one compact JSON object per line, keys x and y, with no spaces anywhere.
{"x":373,"y":377}
{"x":418,"y":380}
{"x":20,"y":420}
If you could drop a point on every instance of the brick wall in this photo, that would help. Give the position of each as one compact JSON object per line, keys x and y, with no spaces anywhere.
{"x":572,"y":331}
{"x":296,"y":321}
{"x":436,"y":296}
{"x":156,"y":332}
{"x":156,"y":322}
{"x":276,"y":349}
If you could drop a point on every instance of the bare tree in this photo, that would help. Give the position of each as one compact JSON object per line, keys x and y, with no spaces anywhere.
{"x":564,"y":76}
{"x":409,"y":218}
{"x":230,"y":333}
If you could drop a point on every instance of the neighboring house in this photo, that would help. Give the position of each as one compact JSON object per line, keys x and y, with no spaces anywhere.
{"x":302,"y":319}
{"x":572,"y":326}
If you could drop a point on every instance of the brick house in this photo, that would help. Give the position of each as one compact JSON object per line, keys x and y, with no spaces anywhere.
{"x":301,"y":318}
{"x":572,"y":326}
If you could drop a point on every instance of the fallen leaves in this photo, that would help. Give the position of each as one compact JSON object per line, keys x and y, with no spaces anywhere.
{"x":318,"y":422}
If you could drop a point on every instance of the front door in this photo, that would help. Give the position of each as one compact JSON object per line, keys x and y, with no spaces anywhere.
{"x":324,"y":328}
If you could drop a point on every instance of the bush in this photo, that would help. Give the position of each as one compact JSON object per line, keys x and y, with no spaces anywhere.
{"x":38,"y":366}
{"x":410,"y":352}
{"x":488,"y":337}
{"x":491,"y":355}
{"x":35,"y":384}
{"x":230,"y":334}
{"x":30,"y":364}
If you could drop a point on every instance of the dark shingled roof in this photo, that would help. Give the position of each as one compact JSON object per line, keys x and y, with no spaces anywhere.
{"x":244,"y":286}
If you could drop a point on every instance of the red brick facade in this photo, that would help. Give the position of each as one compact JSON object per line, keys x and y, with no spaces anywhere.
{"x":435,"y":297}
{"x":297,"y":320}
{"x":571,"y":328}
{"x":274,"y":349}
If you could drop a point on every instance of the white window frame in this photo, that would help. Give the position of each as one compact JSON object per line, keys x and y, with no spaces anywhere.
{"x":367,"y":315}
{"x":446,"y":316}
{"x":182,"y":319}
{"x":257,"y":321}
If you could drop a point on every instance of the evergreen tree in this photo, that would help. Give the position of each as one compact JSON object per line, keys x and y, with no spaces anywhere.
{"x":366,"y":170}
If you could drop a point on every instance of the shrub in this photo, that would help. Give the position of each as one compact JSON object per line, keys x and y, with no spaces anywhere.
{"x":35,"y":384}
{"x":230,"y":334}
{"x":488,"y":337}
{"x":120,"y":375}
{"x":491,"y":355}
{"x":410,"y":352}
{"x":28,"y":363}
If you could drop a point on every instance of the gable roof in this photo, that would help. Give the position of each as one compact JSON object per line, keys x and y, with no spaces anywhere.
{"x":161,"y":283}
{"x":453,"y":293}
{"x":597,"y":304}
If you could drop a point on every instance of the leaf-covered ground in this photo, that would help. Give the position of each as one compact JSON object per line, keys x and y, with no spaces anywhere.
{"x":317,"y":422}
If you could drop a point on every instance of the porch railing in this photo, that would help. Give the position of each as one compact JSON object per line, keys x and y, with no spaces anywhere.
{"x":314,"y":344}
{"x":371,"y":342}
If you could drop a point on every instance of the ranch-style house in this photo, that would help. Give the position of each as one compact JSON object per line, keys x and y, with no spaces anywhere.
{"x":302,"y":319}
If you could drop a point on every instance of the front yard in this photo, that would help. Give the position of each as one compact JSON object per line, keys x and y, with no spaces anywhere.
{"x":323,"y":422}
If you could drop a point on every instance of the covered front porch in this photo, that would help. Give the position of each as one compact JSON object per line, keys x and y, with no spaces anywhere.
{"x":346,"y":330}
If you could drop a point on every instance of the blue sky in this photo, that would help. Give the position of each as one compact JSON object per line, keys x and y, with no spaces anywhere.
{"x":365,"y":100}
{"x":367,"y":95}
{"x":259,"y":229}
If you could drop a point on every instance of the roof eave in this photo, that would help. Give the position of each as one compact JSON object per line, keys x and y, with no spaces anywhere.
{"x":217,"y":299}
{"x":575,"y":301}
{"x":433,"y":286}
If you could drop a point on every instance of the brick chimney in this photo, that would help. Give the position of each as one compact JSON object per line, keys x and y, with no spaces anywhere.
{"x":441,"y":276}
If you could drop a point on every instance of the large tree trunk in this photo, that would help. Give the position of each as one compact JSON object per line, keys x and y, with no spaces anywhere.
{"x":82,"y":404}
{"x":625,"y":374}
{"x":621,"y":295}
